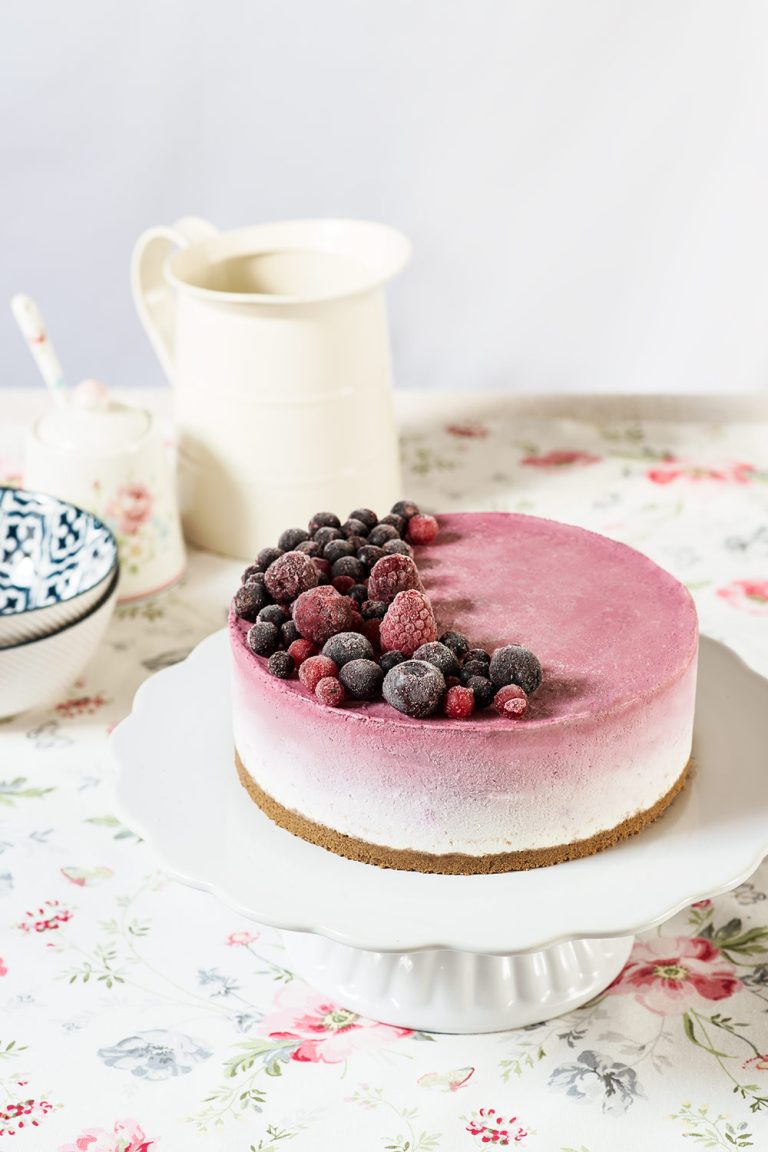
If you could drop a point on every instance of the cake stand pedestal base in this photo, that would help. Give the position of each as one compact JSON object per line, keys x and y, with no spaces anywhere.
{"x":439,"y":990}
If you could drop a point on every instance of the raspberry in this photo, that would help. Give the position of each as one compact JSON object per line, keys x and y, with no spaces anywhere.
{"x":459,"y":703}
{"x":301,"y":650}
{"x":409,"y":622}
{"x":329,"y":691}
{"x":381,"y":533}
{"x":323,"y":520}
{"x":510,"y":701}
{"x":514,"y":665}
{"x":249,"y":599}
{"x":313,"y":670}
{"x":362,"y":679}
{"x":291,"y":537}
{"x":321,"y":613}
{"x":289,"y":576}
{"x":414,"y":687}
{"x":346,"y":646}
{"x":263,"y":638}
{"x":405,"y":508}
{"x":393,"y":574}
{"x":280,"y":664}
{"x":343,"y":584}
{"x":457,"y":642}
{"x":422,"y":529}
{"x":437,"y":654}
{"x":482,"y":690}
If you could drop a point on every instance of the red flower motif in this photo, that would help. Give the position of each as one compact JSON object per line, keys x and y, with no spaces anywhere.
{"x":126,"y":1136}
{"x":748,"y":595}
{"x":470,"y":431}
{"x":492,"y":1128}
{"x":81,"y":706}
{"x":3,"y":967}
{"x":669,"y":974}
{"x":21,"y":1114}
{"x":241,"y":939}
{"x":131,"y":507}
{"x":729,"y":474}
{"x":759,"y":1063}
{"x":324,"y":1032}
{"x":46,"y":919}
{"x":559,"y":458}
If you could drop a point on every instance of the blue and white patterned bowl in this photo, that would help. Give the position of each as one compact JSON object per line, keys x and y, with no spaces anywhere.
{"x":56,"y":562}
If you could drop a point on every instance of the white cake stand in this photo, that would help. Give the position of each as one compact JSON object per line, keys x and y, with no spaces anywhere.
{"x":442,"y":953}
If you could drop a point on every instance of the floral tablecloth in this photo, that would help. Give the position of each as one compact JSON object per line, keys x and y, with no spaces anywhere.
{"x":139,"y":1014}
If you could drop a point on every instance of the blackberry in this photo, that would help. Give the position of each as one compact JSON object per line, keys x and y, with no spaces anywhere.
{"x":414,"y":687}
{"x":358,"y":593}
{"x":405,"y":508}
{"x":272,"y":614}
{"x":249,"y":600}
{"x":324,"y":536}
{"x":374,"y":609}
{"x":399,"y":546}
{"x":515,"y":665}
{"x":362,"y":679}
{"x":457,"y":642}
{"x":366,"y":516}
{"x":478,"y":654}
{"x":399,"y":523}
{"x":353,"y":527}
{"x":289,"y":632}
{"x":335,"y":549}
{"x":381,"y":533}
{"x":370,"y":554}
{"x":348,"y":566}
{"x":439,"y":655}
{"x":473,"y":668}
{"x":323,"y":520}
{"x":291,"y":537}
{"x":388,"y":660}
{"x":280,"y":664}
{"x":263,"y":638}
{"x":309,"y":548}
{"x":346,"y":646}
{"x":482,"y":689}
{"x":266,"y":557}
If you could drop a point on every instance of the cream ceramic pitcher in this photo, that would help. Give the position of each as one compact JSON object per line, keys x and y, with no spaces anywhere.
{"x":276,"y":340}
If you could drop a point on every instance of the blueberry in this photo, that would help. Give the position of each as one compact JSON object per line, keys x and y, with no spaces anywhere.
{"x":381,"y":533}
{"x":251,"y":570}
{"x":353,"y":527}
{"x":280,"y":664}
{"x":405,"y":508}
{"x":289,"y":632}
{"x":362,"y":679}
{"x":335,"y":549}
{"x":478,"y":654}
{"x":370,"y":554}
{"x":249,"y":600}
{"x":358,"y":593}
{"x":324,"y":535}
{"x":374,"y":609}
{"x":473,"y":668}
{"x":400,"y":546}
{"x":263,"y":638}
{"x":457,"y":642}
{"x":515,"y":665}
{"x":482,"y":690}
{"x":323,"y":520}
{"x":266,"y":557}
{"x":365,"y":516}
{"x":439,"y":655}
{"x":357,"y":542}
{"x":273,"y":614}
{"x":414,"y":687}
{"x":309,"y":548}
{"x":346,"y":646}
{"x":348,"y":566}
{"x":388,"y":660}
{"x":291,"y":537}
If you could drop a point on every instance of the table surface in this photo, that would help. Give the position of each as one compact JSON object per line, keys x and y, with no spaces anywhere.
{"x":139,"y":1013}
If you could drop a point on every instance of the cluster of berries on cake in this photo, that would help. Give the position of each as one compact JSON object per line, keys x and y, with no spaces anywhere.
{"x":343,"y":607}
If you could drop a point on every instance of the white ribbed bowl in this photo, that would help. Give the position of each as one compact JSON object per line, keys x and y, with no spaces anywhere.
{"x":36,"y":671}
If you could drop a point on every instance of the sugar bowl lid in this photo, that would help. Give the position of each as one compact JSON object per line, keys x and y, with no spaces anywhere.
{"x":90,"y":420}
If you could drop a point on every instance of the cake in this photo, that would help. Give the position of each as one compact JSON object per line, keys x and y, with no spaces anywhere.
{"x":601,"y":749}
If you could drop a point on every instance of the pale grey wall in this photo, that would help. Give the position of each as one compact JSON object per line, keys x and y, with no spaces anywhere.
{"x":585,"y":181}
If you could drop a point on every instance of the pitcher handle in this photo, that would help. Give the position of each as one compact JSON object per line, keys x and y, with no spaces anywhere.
{"x":154,"y":299}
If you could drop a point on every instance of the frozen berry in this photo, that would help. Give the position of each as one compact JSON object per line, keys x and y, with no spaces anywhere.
{"x":289,"y":632}
{"x":280,"y":664}
{"x":335,"y":549}
{"x":477,"y":654}
{"x":362,"y":679}
{"x":365,"y":516}
{"x":459,"y":703}
{"x":346,"y":646}
{"x":356,"y":622}
{"x":324,"y":536}
{"x":321,"y":613}
{"x":399,"y":547}
{"x":273,"y":614}
{"x":515,"y":665}
{"x":358,"y":593}
{"x":330,"y":692}
{"x":251,"y":570}
{"x":393,"y":574}
{"x":301,"y":650}
{"x":457,"y":642}
{"x":348,"y":566}
{"x":354,"y":527}
{"x":409,"y":622}
{"x":414,"y":687}
{"x":510,"y":701}
{"x":381,"y":533}
{"x":482,"y":689}
{"x":343,"y":584}
{"x":310,"y":548}
{"x":369,"y":554}
{"x":399,"y":523}
{"x":312,"y":671}
{"x":263,"y":638}
{"x":266,"y":557}
{"x":374,"y":609}
{"x":422,"y":529}
{"x":437,"y":654}
{"x":323,"y":520}
{"x":452,"y":681}
{"x":289,"y":576}
{"x":249,"y":600}
{"x":473,"y":668}
{"x":322,"y":567}
{"x":288,"y":539}
{"x":371,"y":629}
{"x":389,"y":659}
{"x":405,"y":508}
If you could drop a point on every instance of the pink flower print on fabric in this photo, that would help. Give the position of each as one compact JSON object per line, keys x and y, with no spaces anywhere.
{"x":669,"y":974}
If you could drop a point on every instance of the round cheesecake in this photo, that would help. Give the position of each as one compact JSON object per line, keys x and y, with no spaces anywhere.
{"x":602,"y":749}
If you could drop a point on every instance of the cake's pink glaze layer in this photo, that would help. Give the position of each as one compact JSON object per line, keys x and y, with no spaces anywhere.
{"x":605,"y":736}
